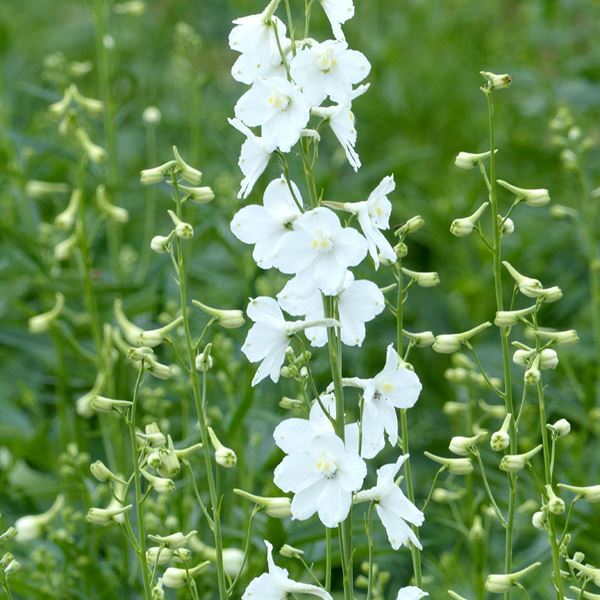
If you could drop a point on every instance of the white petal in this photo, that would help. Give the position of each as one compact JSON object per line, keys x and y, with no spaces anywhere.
{"x":305,"y":503}
{"x":350,"y":247}
{"x":334,"y":503}
{"x":411,"y":592}
{"x":263,"y":587}
{"x":293,"y":252}
{"x":251,"y":223}
{"x":398,"y":531}
{"x":279,"y":202}
{"x":264,"y":307}
{"x":296,"y":472}
{"x":292,"y":435}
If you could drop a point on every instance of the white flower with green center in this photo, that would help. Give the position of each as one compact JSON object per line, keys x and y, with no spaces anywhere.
{"x":276,"y":584}
{"x":394,"y":387}
{"x":411,"y":593}
{"x":394,"y":509}
{"x":254,"y":158}
{"x":373,"y":215}
{"x":264,"y":225}
{"x":268,"y":338}
{"x":328,"y":69}
{"x":255,"y":38}
{"x":341,"y":120}
{"x":278,"y":107}
{"x":319,"y":251}
{"x":338,"y":12}
{"x":323,"y":472}
{"x":358,"y":302}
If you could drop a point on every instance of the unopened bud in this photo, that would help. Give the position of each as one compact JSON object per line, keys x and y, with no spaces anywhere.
{"x":462,"y":445}
{"x":278,"y":507}
{"x":151,"y":116}
{"x":161,"y":485}
{"x":591,"y":493}
{"x":186,"y":171}
{"x":412,"y":225}
{"x":500,"y":439}
{"x":174,"y":541}
{"x":496,"y":82}
{"x":508,"y":318}
{"x":157,"y":174}
{"x":42,"y":322}
{"x":178,"y":578}
{"x":513,"y":463}
{"x":104,"y":516}
{"x":200,"y":195}
{"x":562,"y":338}
{"x":290,"y":552}
{"x":66,"y":218}
{"x":527,"y":285}
{"x":556,"y":505}
{"x":463,"y":227}
{"x":226,"y":318}
{"x":449,"y":343}
{"x":161,"y":244}
{"x":469,"y":160}
{"x":539,"y":519}
{"x":456,"y":466}
{"x":423,"y":339}
{"x":224,"y":456}
{"x":204,"y":361}
{"x":548,"y":359}
{"x":95,"y":153}
{"x":102,"y":473}
{"x":102,"y":404}
{"x":159,"y":555}
{"x":423,"y":279}
{"x":503,"y":583}
{"x":116,"y":214}
{"x":535,"y":197}
{"x":182,"y":230}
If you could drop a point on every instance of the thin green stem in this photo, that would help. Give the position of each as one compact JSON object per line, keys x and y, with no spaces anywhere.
{"x":138,"y":486}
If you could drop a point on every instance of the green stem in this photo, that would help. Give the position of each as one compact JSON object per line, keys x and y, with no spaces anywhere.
{"x":504,"y":333}
{"x":200,"y":402}
{"x":370,"y":543}
{"x":138,"y":487}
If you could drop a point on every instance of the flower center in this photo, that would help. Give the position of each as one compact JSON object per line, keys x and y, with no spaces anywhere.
{"x":321,"y":242}
{"x":326,"y":466}
{"x":278,"y":101}
{"x":386,"y":388}
{"x":326,"y":61}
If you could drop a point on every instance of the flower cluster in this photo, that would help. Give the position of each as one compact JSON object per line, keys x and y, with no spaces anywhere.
{"x":293,"y":81}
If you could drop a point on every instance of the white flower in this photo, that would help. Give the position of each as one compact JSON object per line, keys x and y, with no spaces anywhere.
{"x":338,"y":12}
{"x":358,"y":302}
{"x":276,"y":584}
{"x":319,"y":250}
{"x":411,"y":593}
{"x":394,"y":387}
{"x":374,"y":214}
{"x":268,"y":338}
{"x":254,"y":158}
{"x":255,"y":38}
{"x":322,"y":472}
{"x":394,"y":509}
{"x":264,"y":225}
{"x":341,"y":120}
{"x":279,"y":107}
{"x":328,"y":69}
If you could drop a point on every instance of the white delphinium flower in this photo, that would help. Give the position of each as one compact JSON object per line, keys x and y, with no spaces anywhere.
{"x":278,"y":107}
{"x":341,"y":120}
{"x":254,"y":158}
{"x":255,"y":37}
{"x":374,"y":214}
{"x":276,"y":584}
{"x":338,"y":12}
{"x":411,"y":593}
{"x":328,"y":69}
{"x":319,"y":250}
{"x":323,"y":475}
{"x":264,"y":225}
{"x":394,"y":387}
{"x":394,"y":509}
{"x":268,"y":338}
{"x":358,"y":302}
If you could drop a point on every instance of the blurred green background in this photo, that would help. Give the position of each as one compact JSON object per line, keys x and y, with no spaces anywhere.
{"x":423,"y":107}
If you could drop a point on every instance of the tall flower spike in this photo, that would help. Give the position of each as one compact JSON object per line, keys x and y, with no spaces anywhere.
{"x":393,"y":508}
{"x":276,"y":584}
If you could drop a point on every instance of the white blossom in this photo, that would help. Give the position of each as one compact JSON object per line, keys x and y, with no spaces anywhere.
{"x":411,"y":592}
{"x":328,"y":69}
{"x":279,"y":107}
{"x":394,"y":387}
{"x":264,"y":225}
{"x":341,"y":120}
{"x":255,"y":38}
{"x":319,"y":250}
{"x":254,"y":158}
{"x":338,"y":12}
{"x":358,"y":302}
{"x":373,"y":215}
{"x":322,"y":472}
{"x":268,"y":338}
{"x":394,"y":509}
{"x":276,"y":584}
